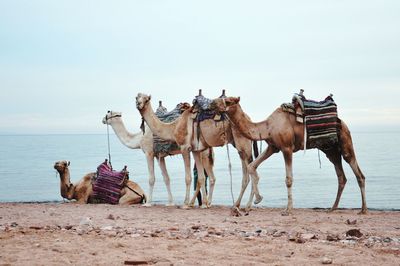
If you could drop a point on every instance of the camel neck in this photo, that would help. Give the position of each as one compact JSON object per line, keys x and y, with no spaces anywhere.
{"x":249,"y":129}
{"x":130,"y":140}
{"x":163,"y":130}
{"x":66,"y":187}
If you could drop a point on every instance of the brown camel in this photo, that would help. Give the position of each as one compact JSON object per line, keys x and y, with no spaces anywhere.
{"x":82,"y":191}
{"x":282,"y":133}
{"x":210,"y":134}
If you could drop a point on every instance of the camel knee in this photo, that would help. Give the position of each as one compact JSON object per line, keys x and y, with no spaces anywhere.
{"x":152,"y":180}
{"x":361,"y":181}
{"x":289,"y":181}
{"x":251,"y":169}
{"x":188,"y":180}
{"x":342,"y":182}
{"x":212,"y":181}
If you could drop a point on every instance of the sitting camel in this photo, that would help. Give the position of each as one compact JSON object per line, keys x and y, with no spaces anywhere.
{"x":209,"y":134}
{"x":283,"y":133}
{"x":145,"y":142}
{"x":82,"y":191}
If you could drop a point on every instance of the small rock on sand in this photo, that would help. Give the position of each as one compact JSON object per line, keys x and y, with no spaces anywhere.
{"x":326,"y":260}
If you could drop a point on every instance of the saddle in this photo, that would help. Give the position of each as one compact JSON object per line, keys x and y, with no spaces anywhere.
{"x":164,"y":146}
{"x":203,"y":111}
{"x":321,"y":122}
{"x":108,"y":183}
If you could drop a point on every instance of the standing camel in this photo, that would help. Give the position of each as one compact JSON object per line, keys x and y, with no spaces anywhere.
{"x":82,"y":191}
{"x":282,"y":133}
{"x":209,"y":134}
{"x":145,"y":142}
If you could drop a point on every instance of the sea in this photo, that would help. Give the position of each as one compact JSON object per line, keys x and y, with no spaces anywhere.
{"x":27,"y":173}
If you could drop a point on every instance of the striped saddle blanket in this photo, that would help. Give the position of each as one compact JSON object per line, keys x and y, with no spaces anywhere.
{"x":321,"y":122}
{"x":164,"y":146}
{"x":108,"y":184}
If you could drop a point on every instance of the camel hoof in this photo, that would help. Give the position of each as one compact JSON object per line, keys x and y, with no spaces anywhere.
{"x":147,"y":204}
{"x":331,"y":210}
{"x":235,"y":212}
{"x":186,"y":207}
{"x":170,"y":204}
{"x":286,"y":213}
{"x":363,"y":212}
{"x":258,"y":199}
{"x":204,"y":206}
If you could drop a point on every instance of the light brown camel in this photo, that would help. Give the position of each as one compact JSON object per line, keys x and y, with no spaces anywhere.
{"x":82,"y":190}
{"x":145,"y":142}
{"x":282,"y":133}
{"x":212,"y":134}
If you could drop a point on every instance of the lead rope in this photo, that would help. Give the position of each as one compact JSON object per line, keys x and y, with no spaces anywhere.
{"x":229,"y":161}
{"x":319,"y":159}
{"x":230,"y":172}
{"x":108,"y":142}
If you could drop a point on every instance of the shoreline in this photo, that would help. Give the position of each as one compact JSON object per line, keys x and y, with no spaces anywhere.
{"x":155,"y":203}
{"x":69,"y":233}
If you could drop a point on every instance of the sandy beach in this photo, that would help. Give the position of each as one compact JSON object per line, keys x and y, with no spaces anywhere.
{"x":69,"y":233}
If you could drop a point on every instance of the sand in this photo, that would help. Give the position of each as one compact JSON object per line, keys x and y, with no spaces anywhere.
{"x":69,"y":233}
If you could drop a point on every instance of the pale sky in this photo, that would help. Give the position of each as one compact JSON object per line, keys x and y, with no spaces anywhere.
{"x":63,"y":64}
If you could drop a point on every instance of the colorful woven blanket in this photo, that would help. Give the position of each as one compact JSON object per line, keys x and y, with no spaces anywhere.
{"x":108,"y":184}
{"x":205,"y":112}
{"x":322,"y":123}
{"x":163,"y":146}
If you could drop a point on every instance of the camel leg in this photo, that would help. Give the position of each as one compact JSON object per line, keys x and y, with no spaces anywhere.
{"x":161,"y":162}
{"x":252,"y":168}
{"x":208,"y":166}
{"x":200,"y":181}
{"x":288,"y":156}
{"x":335,"y":157}
{"x":350,"y":157}
{"x":246,"y":159}
{"x":188,"y":176}
{"x":128,"y":198}
{"x":152,"y":178}
{"x":245,"y":182}
{"x":361,"y":183}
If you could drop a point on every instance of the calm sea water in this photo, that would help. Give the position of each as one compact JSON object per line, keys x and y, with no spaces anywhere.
{"x":27,"y":174}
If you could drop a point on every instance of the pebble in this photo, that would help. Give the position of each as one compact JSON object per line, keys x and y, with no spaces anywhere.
{"x":308,"y":236}
{"x":332,"y":237}
{"x":354,"y":232}
{"x":326,"y":260}
{"x":387,"y":240}
{"x":13,"y":224}
{"x":86,"y":221}
{"x":195,"y":227}
{"x":351,"y":222}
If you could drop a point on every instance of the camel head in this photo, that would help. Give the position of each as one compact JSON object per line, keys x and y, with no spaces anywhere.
{"x":61,"y":166}
{"x":142,"y":101}
{"x":183,"y":106}
{"x":222,"y":105}
{"x":110,"y":116}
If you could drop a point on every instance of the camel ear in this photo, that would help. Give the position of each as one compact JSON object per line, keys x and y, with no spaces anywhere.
{"x":237,"y":100}
{"x":149,"y":97}
{"x":69,"y":163}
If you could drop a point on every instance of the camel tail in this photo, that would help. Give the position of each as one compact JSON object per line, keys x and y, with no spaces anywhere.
{"x":255,"y":149}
